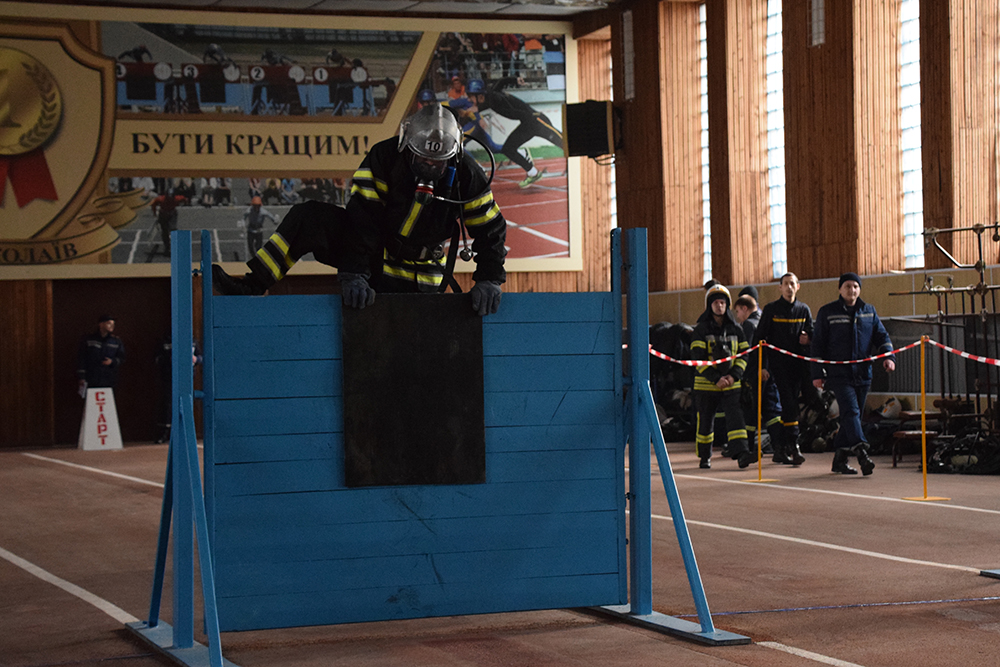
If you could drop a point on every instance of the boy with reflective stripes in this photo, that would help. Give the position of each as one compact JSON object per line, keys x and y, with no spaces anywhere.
{"x":717,"y":387}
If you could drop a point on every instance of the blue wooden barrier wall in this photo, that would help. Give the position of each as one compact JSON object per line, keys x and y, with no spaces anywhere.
{"x":290,"y":545}
{"x":293,"y":546}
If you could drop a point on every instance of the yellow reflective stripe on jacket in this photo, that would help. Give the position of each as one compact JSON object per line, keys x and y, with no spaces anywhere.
{"x":411,"y":218}
{"x":488,"y":216}
{"x":369,"y":187}
{"x":413,"y":275}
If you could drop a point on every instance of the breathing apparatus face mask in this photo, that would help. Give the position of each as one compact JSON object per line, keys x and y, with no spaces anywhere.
{"x":433,"y":139}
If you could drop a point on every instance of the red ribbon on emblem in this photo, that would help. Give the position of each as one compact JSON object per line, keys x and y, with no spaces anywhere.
{"x":29,"y":177}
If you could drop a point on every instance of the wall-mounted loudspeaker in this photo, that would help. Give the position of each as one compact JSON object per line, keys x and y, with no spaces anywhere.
{"x":588,"y":129}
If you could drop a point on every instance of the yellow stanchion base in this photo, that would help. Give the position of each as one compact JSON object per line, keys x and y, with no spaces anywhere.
{"x":927,"y":498}
{"x":761,"y":481}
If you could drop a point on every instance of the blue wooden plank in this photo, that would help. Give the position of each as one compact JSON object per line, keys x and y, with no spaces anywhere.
{"x":293,"y":310}
{"x":280,"y":447}
{"x":521,"y":338}
{"x":485,"y":596}
{"x":550,"y":467}
{"x":296,"y":447}
{"x":540,"y":408}
{"x":293,"y":545}
{"x":276,"y":343}
{"x":278,"y":415}
{"x":588,"y":554}
{"x":552,"y":436}
{"x":550,"y":307}
{"x":578,"y":373}
{"x":281,"y":379}
{"x":406,"y":503}
{"x":327,"y":474}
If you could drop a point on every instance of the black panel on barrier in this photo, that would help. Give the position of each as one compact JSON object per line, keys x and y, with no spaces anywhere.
{"x":413,"y":392}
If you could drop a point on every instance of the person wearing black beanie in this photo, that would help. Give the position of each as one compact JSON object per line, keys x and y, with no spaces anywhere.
{"x":849,"y":329}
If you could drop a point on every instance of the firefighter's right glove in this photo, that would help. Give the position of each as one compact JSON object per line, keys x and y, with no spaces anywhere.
{"x":355,"y":291}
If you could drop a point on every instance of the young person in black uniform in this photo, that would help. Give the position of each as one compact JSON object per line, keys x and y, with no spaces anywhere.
{"x":101,"y":355}
{"x":718,"y":336}
{"x":787,"y":324}
{"x":410,"y":195}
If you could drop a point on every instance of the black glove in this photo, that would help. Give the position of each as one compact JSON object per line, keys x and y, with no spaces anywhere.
{"x":355,"y":291}
{"x":485,"y":297}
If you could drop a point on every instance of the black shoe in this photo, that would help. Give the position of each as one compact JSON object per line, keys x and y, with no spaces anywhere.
{"x":747,"y":457}
{"x":781,"y":457}
{"x":797,"y":458}
{"x":843,"y":468}
{"x":228,"y":285}
{"x":867,"y":466}
{"x":705,"y":463}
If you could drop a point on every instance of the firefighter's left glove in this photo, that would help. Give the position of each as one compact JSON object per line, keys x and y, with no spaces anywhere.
{"x":485,"y":297}
{"x":355,"y":291}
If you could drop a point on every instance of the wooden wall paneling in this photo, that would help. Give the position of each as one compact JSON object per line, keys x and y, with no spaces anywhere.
{"x":960,"y":122}
{"x":741,"y":247}
{"x":141,"y":307}
{"x":640,"y":164}
{"x":681,"y":148}
{"x":877,"y":119}
{"x":936,"y":111}
{"x":26,"y":372}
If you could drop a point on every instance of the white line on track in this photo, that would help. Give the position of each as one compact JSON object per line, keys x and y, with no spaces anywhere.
{"x":111,"y":610}
{"x":834,"y":493}
{"x":802,"y":653}
{"x":547,"y":237}
{"x":135,"y":244}
{"x":97,"y":470}
{"x":825,"y":545}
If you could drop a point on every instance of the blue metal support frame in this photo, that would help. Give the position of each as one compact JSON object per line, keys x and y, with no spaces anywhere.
{"x":643,"y":424}
{"x":183,"y":495}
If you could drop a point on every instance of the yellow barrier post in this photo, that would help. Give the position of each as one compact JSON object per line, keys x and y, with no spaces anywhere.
{"x":923,"y":424}
{"x":760,"y":430}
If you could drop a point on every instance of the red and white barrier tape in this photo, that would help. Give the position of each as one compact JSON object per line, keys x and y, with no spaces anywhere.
{"x":691,"y":362}
{"x":966,"y":355}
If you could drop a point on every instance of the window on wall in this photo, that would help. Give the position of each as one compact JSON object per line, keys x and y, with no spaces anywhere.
{"x":909,"y":103}
{"x":776,"y":140}
{"x":705,"y":207}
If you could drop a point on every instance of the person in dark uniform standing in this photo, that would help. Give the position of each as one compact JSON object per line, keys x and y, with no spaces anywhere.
{"x":410,"y":195}
{"x":101,"y":355}
{"x":748,"y":317}
{"x":531,"y":123}
{"x":849,"y":329}
{"x":718,"y":336}
{"x":787,"y":324}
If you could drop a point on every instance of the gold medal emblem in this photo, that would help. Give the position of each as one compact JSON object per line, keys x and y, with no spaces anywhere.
{"x":30,"y":104}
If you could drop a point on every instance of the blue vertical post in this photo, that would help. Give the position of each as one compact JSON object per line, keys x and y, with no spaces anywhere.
{"x":640,"y":511}
{"x":183,"y":384}
{"x":208,"y":378}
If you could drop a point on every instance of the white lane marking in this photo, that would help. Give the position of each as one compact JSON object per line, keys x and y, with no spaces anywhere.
{"x":217,"y":245}
{"x":135,"y":244}
{"x":825,"y":545}
{"x":97,"y":470}
{"x":111,"y":610}
{"x":802,"y":653}
{"x":541,"y":235}
{"x":889,"y":499}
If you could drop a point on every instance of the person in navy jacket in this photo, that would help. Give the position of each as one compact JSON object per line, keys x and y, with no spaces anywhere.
{"x":845,"y":330}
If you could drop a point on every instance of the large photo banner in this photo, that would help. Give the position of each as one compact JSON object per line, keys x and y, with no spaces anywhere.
{"x":210,"y":124}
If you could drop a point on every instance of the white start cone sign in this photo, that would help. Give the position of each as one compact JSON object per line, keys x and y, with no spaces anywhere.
{"x":99,"y":429}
